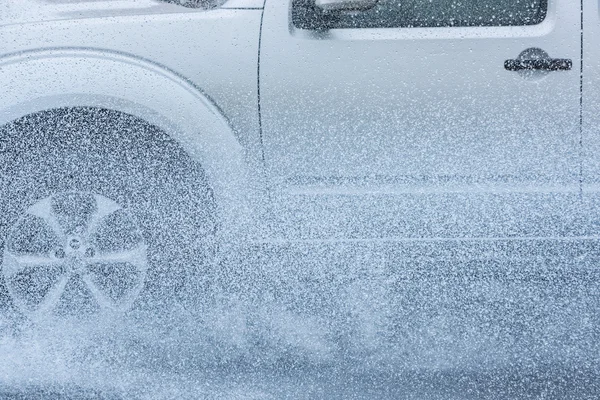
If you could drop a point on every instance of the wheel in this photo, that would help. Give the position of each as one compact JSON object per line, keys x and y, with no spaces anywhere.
{"x":98,"y":209}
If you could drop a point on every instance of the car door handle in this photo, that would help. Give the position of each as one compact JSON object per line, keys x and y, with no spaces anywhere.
{"x":542,"y":64}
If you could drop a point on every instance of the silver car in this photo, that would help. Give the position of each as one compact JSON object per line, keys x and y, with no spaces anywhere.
{"x":142,"y":139}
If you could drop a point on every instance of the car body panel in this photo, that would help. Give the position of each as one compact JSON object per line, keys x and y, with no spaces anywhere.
{"x":132,"y":61}
{"x":21,"y":11}
{"x":591,"y":99}
{"x":590,"y":134}
{"x":421,"y":129}
{"x":419,"y":102}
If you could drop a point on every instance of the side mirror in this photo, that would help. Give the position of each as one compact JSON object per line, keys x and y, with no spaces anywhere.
{"x":345,"y":5}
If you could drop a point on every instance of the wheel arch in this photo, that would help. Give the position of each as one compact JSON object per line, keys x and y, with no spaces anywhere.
{"x":76,"y":77}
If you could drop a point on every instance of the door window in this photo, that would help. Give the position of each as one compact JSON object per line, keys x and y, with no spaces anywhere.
{"x":431,"y":13}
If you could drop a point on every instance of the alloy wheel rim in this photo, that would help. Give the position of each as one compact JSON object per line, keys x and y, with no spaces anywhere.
{"x":74,"y":253}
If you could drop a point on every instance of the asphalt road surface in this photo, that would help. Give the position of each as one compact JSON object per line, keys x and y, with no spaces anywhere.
{"x":406,"y":320}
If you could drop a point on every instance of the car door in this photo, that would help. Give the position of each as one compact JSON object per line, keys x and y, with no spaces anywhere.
{"x":591,"y":110}
{"x":454,"y":94}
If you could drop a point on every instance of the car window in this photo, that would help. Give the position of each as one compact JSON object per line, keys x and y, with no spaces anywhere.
{"x":441,"y":13}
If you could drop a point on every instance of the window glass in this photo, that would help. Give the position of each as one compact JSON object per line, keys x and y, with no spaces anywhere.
{"x":433,"y":13}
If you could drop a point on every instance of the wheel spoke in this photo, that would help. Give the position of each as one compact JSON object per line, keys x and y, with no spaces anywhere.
{"x":44,"y":210}
{"x":104,"y":208}
{"x":53,"y":296}
{"x":103,"y":300}
{"x":14,"y":264}
{"x":135,"y":256}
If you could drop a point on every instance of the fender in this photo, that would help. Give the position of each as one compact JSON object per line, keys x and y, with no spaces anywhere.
{"x":78,"y":77}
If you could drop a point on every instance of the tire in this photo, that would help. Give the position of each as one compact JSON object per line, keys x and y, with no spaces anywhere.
{"x":123,"y":183}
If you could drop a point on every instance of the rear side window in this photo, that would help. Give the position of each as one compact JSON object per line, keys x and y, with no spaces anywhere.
{"x":434,"y":13}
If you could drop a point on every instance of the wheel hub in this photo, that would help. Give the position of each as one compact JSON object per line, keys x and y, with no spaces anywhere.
{"x":74,"y":240}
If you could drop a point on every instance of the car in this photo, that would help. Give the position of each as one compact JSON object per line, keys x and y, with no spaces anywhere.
{"x":142,"y":140}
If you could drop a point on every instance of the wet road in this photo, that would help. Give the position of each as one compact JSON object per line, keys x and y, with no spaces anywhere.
{"x":337,"y":384}
{"x":507,"y":320}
